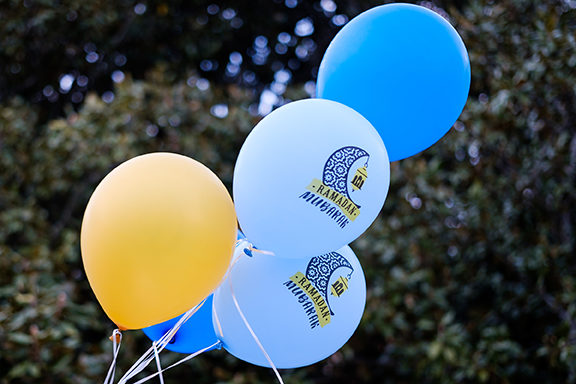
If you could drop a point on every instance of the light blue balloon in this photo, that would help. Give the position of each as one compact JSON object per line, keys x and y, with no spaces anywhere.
{"x":405,"y":69}
{"x":277,"y":296}
{"x":194,"y":335}
{"x":311,"y":177}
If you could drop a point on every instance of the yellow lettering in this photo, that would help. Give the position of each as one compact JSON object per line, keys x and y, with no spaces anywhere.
{"x":319,"y":304}
{"x":348,"y":208}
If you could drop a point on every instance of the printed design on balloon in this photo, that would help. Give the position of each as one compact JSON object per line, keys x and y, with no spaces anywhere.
{"x":338,"y":166}
{"x":331,"y":195}
{"x":321,"y":268}
{"x":311,"y":289}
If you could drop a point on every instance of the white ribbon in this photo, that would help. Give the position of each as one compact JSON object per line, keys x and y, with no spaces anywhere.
{"x":157,"y":347}
{"x":158,"y":365}
{"x":253,"y":334}
{"x":215,"y":345}
{"x":153,"y":352}
{"x":116,"y":341}
{"x":247,"y":251}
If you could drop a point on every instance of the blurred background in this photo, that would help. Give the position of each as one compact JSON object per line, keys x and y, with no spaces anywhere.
{"x":470,"y":266}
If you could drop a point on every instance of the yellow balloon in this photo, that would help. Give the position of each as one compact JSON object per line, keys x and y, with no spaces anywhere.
{"x":157,"y":237}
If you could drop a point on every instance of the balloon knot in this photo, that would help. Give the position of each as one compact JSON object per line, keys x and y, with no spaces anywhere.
{"x":248,"y":251}
{"x":116,"y":335}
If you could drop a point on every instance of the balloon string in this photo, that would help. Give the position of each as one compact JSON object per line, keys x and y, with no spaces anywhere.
{"x":158,"y":346}
{"x":116,"y":341}
{"x":191,"y":356}
{"x":248,"y":252}
{"x":253,"y":334}
{"x":149,"y":355}
{"x":158,"y":365}
{"x":248,"y":248}
{"x":217,"y":322}
{"x":238,"y":242}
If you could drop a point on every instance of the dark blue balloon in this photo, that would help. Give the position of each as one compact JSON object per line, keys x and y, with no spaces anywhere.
{"x":194,"y":335}
{"x":405,"y":69}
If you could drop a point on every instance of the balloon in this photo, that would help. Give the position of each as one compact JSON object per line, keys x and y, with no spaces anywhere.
{"x":195,"y":334}
{"x":405,"y":69}
{"x":156,"y":227}
{"x":302,"y":310}
{"x":311,"y":177}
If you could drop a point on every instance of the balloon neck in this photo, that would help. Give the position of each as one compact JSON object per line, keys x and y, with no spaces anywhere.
{"x":249,"y":248}
{"x":121,"y":328}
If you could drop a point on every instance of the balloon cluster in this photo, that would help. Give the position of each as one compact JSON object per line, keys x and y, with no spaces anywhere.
{"x":160,"y":234}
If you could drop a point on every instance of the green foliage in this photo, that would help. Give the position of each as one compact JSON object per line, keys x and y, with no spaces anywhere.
{"x":470,"y":267}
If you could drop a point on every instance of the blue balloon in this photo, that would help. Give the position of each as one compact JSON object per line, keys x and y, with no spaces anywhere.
{"x":194,"y":335}
{"x":302,"y":310}
{"x":405,"y":69}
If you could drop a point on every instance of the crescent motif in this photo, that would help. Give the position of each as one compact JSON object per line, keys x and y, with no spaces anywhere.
{"x":338,"y":166}
{"x":321,"y":268}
